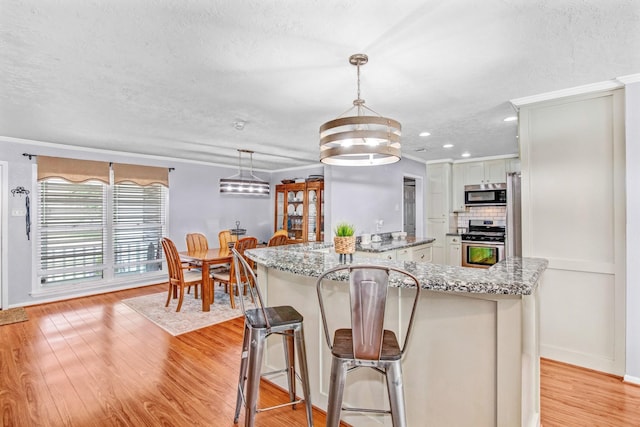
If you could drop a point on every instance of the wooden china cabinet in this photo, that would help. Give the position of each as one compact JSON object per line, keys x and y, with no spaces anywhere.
{"x":300,"y":210}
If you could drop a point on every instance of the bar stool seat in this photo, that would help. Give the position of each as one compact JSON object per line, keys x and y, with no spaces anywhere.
{"x":367,"y":343}
{"x":259,"y":324}
{"x":343,"y":345}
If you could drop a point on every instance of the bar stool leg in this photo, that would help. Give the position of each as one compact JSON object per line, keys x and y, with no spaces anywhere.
{"x":289,"y":356}
{"x":396,"y":394}
{"x":336,"y":389}
{"x":242,"y":378}
{"x":304,"y":373}
{"x":256,"y":349}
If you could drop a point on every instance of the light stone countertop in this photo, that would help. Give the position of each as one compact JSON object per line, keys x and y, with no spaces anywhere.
{"x":513,"y":276}
{"x":393,"y":244}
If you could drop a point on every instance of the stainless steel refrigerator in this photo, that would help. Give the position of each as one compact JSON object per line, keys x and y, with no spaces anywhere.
{"x":513,"y":245}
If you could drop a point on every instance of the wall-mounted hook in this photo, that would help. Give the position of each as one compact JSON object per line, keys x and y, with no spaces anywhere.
{"x":20,"y":191}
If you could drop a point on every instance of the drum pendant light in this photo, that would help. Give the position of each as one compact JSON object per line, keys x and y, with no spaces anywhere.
{"x":243,"y":183}
{"x":360,"y":140}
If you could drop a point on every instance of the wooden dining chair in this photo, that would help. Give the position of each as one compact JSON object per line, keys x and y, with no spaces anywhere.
{"x":225,"y":237}
{"x":197,"y":242}
{"x":278,"y":240}
{"x":178,"y":277}
{"x":228,"y":278}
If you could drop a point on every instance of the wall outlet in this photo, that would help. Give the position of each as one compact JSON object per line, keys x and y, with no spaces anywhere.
{"x":18,"y":212}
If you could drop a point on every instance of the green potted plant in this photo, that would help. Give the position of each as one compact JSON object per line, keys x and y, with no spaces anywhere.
{"x":345,"y":239}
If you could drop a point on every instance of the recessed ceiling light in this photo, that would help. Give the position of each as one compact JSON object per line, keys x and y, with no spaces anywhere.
{"x":424,"y":134}
{"x":447,"y":146}
{"x":511,"y":119}
{"x":466,"y":154}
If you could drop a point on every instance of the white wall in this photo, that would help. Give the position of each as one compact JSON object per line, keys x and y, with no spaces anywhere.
{"x":632,"y":104}
{"x":573,"y":214}
{"x":195,"y":205}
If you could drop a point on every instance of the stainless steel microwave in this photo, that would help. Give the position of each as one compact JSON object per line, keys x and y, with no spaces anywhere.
{"x":485,"y":195}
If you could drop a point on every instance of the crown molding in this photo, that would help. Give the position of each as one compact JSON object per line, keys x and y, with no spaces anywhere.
{"x":107,"y":152}
{"x":631,"y":78}
{"x":573,"y":91}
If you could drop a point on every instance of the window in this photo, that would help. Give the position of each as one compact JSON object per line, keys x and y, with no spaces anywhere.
{"x":92,"y":232}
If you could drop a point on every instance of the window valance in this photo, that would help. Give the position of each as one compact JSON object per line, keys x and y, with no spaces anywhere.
{"x":78,"y":171}
{"x":72,"y":170}
{"x":141,"y":175}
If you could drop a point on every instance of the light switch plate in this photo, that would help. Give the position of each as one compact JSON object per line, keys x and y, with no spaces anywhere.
{"x":18,"y":212}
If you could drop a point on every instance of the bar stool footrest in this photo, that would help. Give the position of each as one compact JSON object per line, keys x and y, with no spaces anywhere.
{"x":367,"y":410}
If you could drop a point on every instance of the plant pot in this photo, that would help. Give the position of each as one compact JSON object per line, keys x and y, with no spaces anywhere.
{"x":344,"y":245}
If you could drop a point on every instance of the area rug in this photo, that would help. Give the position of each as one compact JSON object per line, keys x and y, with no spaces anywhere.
{"x":190,"y":317}
{"x":13,"y":315}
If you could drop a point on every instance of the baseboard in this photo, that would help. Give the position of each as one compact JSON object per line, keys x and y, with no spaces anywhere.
{"x":631,"y":380}
{"x":584,"y":360}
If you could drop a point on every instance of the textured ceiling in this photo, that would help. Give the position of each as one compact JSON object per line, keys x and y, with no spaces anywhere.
{"x":170,"y":77}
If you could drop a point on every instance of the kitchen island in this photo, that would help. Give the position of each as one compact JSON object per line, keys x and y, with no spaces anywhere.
{"x":472,"y":359}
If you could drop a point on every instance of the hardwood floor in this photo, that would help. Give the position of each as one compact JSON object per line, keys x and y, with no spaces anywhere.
{"x":574,"y":396}
{"x":95,"y":362}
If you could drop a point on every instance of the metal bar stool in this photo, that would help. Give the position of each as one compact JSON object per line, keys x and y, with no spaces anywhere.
{"x":367,"y":343}
{"x":259,"y":324}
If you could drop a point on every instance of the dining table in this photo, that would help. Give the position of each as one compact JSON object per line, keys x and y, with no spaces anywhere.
{"x":206,"y":258}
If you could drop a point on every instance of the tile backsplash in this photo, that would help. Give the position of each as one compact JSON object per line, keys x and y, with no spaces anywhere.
{"x":496,"y":213}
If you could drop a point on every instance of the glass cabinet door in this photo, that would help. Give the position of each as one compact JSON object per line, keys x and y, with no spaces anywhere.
{"x":312,"y":218}
{"x":280,"y":208}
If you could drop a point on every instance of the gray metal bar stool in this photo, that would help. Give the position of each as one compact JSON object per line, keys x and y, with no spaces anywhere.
{"x":366,"y":343}
{"x":259,"y":324}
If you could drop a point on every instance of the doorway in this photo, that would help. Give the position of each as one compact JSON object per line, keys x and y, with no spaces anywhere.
{"x":409,"y":206}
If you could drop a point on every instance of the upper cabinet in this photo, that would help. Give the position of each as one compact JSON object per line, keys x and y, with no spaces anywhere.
{"x":489,"y":172}
{"x":477,"y":173}
{"x":438,"y":185}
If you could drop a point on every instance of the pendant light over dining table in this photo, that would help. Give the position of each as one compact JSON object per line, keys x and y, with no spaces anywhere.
{"x":360,"y":139}
{"x":243,"y":183}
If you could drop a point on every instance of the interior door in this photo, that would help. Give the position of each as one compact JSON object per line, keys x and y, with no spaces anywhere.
{"x":409,"y":201}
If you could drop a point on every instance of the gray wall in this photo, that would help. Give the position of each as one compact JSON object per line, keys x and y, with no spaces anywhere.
{"x":362,"y":195}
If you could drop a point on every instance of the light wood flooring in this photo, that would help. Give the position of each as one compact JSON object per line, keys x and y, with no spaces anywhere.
{"x":95,"y":362}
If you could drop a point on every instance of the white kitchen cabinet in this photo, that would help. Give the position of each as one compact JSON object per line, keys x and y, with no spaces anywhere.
{"x":454,"y":251}
{"x":388,"y":255}
{"x":422,"y":253}
{"x":457,"y":188}
{"x":487,"y":172}
{"x":473,"y":173}
{"x":438,"y":206}
{"x":437,"y":228}
{"x":495,"y":171}
{"x":438,"y":190}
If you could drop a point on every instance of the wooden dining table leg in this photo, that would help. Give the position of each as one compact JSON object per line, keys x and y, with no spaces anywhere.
{"x":206,"y":287}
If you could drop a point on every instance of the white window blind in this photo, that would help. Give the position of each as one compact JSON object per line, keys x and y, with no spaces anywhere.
{"x":72,"y":224}
{"x":138,"y":226}
{"x":92,"y":232}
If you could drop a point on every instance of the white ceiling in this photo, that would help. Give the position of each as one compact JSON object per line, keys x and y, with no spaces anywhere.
{"x":169,"y":77}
